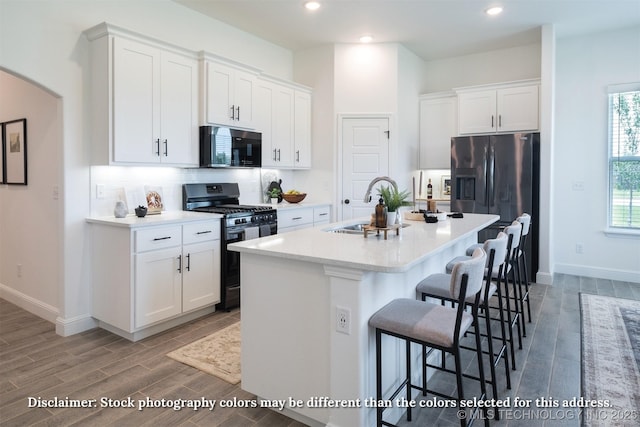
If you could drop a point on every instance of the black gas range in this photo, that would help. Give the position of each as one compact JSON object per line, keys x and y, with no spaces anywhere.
{"x":239,"y":222}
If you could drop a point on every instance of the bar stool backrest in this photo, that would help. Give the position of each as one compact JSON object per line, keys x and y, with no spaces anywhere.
{"x":514,"y":230}
{"x":474,"y":269}
{"x":499,"y":245}
{"x":525,"y":220}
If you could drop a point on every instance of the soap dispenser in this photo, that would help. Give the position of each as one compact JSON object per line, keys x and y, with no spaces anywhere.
{"x":381,"y":214}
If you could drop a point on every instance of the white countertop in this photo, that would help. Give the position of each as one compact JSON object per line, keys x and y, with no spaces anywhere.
{"x":396,"y":254}
{"x":167,"y":217}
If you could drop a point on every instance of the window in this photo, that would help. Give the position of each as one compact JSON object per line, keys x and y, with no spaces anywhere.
{"x":624,"y":157}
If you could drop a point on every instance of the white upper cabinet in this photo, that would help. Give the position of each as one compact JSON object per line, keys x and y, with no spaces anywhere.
{"x":283,"y":116}
{"x":438,"y":124}
{"x":302,"y":130}
{"x":145,"y":100}
{"x":229,"y":95}
{"x":504,"y":108}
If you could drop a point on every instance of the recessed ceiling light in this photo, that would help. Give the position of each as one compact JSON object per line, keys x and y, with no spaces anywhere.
{"x":312,"y":5}
{"x":497,"y":10}
{"x":366,"y":39}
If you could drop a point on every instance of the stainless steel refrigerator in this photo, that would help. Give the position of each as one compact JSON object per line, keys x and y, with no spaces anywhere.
{"x":498,"y":174}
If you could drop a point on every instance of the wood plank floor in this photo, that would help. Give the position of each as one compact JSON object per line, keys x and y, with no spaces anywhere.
{"x":549,"y":364}
{"x":37,"y":363}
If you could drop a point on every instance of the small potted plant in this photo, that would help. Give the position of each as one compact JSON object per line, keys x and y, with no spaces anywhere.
{"x":274,"y":194}
{"x":393,"y":199}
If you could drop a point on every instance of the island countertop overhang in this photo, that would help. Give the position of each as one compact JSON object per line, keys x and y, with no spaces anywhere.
{"x":396,"y":254}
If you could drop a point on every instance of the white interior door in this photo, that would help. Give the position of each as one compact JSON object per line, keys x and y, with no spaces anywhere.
{"x":365,"y":155}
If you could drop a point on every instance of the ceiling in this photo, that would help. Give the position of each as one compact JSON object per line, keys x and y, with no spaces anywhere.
{"x":432,"y":29}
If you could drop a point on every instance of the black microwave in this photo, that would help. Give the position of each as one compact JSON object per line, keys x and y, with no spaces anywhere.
{"x":226,"y":147}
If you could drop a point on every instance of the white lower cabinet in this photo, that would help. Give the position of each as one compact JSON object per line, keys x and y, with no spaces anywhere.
{"x":295,"y":218}
{"x":146,"y":279}
{"x":202,"y":262}
{"x":158,"y":286}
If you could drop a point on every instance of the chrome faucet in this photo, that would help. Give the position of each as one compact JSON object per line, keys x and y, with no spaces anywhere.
{"x":367,"y":195}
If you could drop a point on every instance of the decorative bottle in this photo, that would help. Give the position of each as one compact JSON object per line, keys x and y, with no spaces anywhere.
{"x":429,"y":190}
{"x":381,"y":214}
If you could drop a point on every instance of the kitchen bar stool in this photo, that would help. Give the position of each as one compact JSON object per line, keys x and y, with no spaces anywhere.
{"x":513,"y":233}
{"x":434,"y":326}
{"x":437,"y":286}
{"x":525,"y":220}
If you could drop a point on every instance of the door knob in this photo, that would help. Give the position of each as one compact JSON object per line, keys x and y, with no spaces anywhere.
{"x":347,"y":201}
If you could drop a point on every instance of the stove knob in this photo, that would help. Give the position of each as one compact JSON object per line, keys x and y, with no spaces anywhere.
{"x":237,"y":221}
{"x":253,"y":219}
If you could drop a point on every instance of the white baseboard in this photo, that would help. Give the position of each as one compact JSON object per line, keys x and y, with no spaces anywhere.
{"x":75,"y":325}
{"x":544,"y":278}
{"x":64,"y":327}
{"x":599,"y":273}
{"x":32,"y":305}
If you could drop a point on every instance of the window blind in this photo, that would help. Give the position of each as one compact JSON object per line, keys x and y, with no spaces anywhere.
{"x":624,"y":156}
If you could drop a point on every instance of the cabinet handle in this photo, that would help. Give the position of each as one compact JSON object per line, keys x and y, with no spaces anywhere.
{"x":158,"y":147}
{"x":166,"y":148}
{"x":188,"y":267}
{"x":238,"y":115}
{"x":296,"y":218}
{"x":298,"y":156}
{"x":274,"y":155}
{"x":204,"y":232}
{"x":161,"y":238}
{"x":233,"y":116}
{"x":499,"y":120}
{"x":492,"y":121}
{"x":179,"y":263}
{"x":323,"y":214}
{"x":278,"y":154}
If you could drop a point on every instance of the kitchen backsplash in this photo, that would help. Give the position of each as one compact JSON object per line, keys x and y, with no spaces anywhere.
{"x":110,"y":184}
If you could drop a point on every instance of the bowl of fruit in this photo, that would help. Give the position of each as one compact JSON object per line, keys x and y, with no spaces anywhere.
{"x":293,"y":196}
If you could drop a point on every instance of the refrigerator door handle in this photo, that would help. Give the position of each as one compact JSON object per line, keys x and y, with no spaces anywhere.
{"x":491,"y":174}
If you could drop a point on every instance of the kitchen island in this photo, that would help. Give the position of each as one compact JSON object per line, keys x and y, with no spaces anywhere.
{"x":306,"y":299}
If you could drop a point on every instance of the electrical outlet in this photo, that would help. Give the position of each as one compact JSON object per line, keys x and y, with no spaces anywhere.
{"x":579,"y":248}
{"x":19,"y":270}
{"x":343,"y":320}
{"x":577,"y":186}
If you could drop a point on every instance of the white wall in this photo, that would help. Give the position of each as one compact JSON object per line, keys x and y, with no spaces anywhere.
{"x":504,"y":65}
{"x":30,"y":215}
{"x":43,"y":41}
{"x":315,"y":68}
{"x":411,"y":76}
{"x":366,"y":78}
{"x":585,"y":66}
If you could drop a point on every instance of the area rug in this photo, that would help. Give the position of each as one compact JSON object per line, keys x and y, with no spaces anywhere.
{"x":610,"y":359}
{"x":217,"y":354}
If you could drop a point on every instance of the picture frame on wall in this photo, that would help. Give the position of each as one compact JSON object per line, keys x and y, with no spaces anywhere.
{"x":446,"y":185}
{"x":2,"y":178}
{"x":14,"y":135}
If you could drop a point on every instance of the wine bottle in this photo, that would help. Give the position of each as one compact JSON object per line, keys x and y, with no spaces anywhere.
{"x":429,"y":190}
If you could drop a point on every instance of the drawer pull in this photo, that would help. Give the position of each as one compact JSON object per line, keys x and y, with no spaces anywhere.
{"x":323,"y":214}
{"x":204,"y":232}
{"x":161,"y":238}
{"x":296,"y":218}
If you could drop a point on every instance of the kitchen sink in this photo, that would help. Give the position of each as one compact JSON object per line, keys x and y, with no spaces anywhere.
{"x":353,"y":228}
